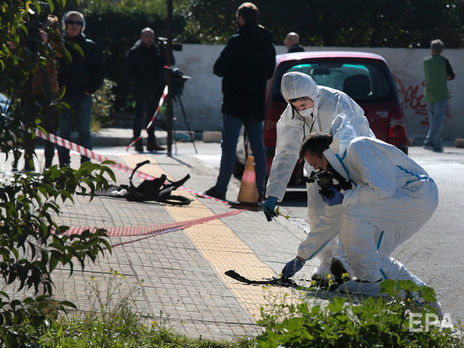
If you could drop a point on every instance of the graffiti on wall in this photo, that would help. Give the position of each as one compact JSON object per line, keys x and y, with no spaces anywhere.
{"x":412,"y":98}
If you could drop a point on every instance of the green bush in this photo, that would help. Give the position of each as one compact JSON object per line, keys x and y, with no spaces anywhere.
{"x":32,"y":243}
{"x":345,"y":322}
{"x":102,"y":106}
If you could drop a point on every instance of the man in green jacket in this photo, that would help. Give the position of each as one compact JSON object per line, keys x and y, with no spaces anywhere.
{"x":438,"y":71}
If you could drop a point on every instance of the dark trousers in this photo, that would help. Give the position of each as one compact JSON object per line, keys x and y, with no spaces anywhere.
{"x":51,"y":126}
{"x":145,"y":107}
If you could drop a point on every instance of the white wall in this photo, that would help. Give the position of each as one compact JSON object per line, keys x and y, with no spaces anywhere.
{"x":202,"y":95}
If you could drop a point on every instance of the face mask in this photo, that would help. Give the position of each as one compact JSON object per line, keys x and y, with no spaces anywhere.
{"x":307,"y":112}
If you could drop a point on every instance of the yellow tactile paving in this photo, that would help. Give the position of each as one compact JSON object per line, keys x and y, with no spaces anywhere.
{"x":221,"y":247}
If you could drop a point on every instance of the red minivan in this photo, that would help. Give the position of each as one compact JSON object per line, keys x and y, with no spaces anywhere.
{"x":365,"y":77}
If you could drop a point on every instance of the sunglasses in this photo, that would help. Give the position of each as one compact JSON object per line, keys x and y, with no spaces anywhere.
{"x":74,"y":22}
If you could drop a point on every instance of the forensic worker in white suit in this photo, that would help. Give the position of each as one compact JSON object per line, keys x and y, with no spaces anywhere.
{"x":311,"y":108}
{"x":391,"y":198}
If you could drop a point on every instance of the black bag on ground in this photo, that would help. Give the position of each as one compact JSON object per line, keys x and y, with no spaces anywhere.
{"x":158,"y":189}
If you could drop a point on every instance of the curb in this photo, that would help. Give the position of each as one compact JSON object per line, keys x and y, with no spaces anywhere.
{"x":212,"y":137}
{"x":459,"y":142}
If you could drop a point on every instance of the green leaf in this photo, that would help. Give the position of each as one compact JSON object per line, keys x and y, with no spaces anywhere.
{"x":51,"y":5}
{"x":336,"y":304}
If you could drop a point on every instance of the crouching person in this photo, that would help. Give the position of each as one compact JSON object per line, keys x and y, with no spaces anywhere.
{"x":391,"y":198}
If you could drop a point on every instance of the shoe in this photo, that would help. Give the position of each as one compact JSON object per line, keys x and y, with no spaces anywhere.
{"x":323,"y":278}
{"x":138,"y":146}
{"x":428,"y":147}
{"x":154,"y":147}
{"x":360,"y":287}
{"x":212,"y":192}
{"x":339,"y":271}
{"x":439,"y":149}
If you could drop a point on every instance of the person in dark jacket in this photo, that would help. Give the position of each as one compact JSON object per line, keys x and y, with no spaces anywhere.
{"x":292,"y":42}
{"x":145,"y":65}
{"x":245,"y":64}
{"x":81,"y":77}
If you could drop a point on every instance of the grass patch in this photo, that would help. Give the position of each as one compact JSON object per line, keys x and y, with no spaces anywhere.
{"x":125,"y":329}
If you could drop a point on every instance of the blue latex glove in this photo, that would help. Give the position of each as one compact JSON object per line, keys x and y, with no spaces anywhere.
{"x":292,"y":267}
{"x":336,"y":199}
{"x":269,"y":207}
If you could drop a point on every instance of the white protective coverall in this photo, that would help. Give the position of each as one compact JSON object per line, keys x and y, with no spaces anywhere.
{"x":391,"y":199}
{"x":292,"y":128}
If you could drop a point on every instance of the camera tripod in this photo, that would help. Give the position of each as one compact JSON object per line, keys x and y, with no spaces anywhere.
{"x":177,"y":98}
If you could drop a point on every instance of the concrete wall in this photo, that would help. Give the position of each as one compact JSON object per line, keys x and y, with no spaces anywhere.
{"x":202,"y":95}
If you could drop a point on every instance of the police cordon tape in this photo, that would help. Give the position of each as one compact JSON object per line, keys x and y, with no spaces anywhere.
{"x":88,"y":153}
{"x":132,"y":231}
{"x":151,"y":231}
{"x":161,"y":101}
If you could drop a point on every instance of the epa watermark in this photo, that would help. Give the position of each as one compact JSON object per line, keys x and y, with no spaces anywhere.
{"x":418,"y":324}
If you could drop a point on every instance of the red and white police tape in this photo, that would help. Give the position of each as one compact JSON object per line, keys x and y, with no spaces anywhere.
{"x":163,"y":97}
{"x":131,"y":231}
{"x":88,"y":153}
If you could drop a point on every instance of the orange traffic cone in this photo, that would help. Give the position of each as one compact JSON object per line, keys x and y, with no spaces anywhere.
{"x":248,"y":192}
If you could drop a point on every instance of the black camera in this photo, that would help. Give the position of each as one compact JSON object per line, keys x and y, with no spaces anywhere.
{"x":326,"y":179}
{"x":178,"y":81}
{"x":163,"y":42}
{"x":38,"y":14}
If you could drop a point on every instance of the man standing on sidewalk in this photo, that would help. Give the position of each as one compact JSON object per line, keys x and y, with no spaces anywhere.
{"x":438,"y":71}
{"x":81,"y":77}
{"x":145,"y":64}
{"x":245,"y":65}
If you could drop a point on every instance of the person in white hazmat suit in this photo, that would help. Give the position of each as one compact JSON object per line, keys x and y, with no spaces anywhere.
{"x":310,"y":108}
{"x":391,"y":198}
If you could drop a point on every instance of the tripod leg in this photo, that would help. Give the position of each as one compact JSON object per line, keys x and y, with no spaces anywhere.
{"x":187,"y":123}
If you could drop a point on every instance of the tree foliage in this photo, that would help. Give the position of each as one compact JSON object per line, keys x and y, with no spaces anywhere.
{"x":32,"y":244}
{"x":380,"y":23}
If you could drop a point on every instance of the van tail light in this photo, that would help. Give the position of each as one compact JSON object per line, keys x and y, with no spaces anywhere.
{"x":397,"y":127}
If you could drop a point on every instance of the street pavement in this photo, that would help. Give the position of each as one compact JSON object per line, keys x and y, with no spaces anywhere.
{"x":177,"y":279}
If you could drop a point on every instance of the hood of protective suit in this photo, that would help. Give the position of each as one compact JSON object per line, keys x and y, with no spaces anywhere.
{"x":296,"y":84}
{"x":343,"y":133}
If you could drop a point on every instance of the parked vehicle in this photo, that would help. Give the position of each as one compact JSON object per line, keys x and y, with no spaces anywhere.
{"x":365,"y":77}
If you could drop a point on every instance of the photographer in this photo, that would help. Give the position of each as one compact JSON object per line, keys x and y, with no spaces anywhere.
{"x":145,"y":65}
{"x":43,"y":42}
{"x":392,"y":197}
{"x":45,"y":82}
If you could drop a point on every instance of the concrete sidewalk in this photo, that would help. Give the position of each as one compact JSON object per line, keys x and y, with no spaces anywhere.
{"x":177,"y":279}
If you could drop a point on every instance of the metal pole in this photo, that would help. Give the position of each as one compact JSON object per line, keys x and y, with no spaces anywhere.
{"x":169,"y":80}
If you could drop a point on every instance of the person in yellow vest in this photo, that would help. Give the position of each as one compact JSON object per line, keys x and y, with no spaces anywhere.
{"x":438,"y":72}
